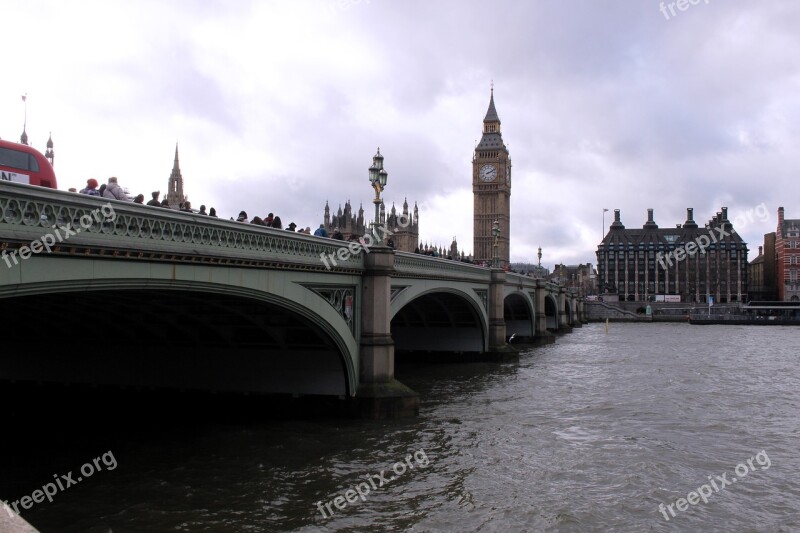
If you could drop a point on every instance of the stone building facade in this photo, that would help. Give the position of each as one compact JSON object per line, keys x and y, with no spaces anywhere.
{"x":402,"y":226}
{"x":686,"y":263}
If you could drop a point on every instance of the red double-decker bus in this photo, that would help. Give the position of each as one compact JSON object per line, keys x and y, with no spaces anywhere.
{"x":22,"y":164}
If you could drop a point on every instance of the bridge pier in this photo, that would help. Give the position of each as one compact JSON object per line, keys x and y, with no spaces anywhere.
{"x":542,"y":335}
{"x":497,"y":321}
{"x":379,"y":394}
{"x":563,"y":319}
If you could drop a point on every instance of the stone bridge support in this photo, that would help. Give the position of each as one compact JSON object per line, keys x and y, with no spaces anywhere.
{"x":379,"y":394}
{"x":497,"y":321}
{"x":563,"y":319}
{"x":541,"y":316}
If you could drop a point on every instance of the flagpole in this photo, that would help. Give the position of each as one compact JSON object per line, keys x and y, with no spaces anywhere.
{"x":25,"y":117}
{"x":603,"y":233}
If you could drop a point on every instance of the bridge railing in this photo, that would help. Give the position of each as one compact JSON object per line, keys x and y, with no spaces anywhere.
{"x":29,"y":214}
{"x":513,"y":278}
{"x":411,"y":265}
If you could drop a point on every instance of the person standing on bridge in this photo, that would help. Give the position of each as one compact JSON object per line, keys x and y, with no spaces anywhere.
{"x":321,"y":231}
{"x":91,"y":188}
{"x":114,"y":191}
{"x":154,"y":201}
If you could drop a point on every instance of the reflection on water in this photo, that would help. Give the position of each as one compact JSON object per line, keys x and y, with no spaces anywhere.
{"x":592,"y":433}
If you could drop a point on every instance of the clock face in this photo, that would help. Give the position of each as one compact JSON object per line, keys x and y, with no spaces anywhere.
{"x":488,"y":172}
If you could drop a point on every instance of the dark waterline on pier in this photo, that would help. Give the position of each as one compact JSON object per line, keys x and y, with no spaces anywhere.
{"x":589,"y":434}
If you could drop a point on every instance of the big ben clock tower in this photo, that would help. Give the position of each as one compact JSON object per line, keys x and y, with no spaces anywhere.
{"x":491,"y":188}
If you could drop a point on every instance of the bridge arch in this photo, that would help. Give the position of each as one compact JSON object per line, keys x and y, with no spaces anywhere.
{"x":176,"y":333}
{"x":450,"y":319}
{"x":551,"y":312}
{"x":519,"y":314}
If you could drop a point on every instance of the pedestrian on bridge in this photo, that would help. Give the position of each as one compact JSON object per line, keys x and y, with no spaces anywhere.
{"x":114,"y":191}
{"x":91,"y":188}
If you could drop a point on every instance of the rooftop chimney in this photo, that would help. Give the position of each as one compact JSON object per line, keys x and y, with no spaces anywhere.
{"x":724,"y":214}
{"x":690,"y":223}
{"x":617,"y":224}
{"x":760,"y":250}
{"x":780,"y":216}
{"x":650,"y":224}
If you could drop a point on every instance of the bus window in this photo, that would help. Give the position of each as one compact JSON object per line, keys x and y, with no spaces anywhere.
{"x":23,"y":164}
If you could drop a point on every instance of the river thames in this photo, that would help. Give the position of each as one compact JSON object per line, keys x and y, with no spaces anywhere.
{"x":649,"y":427}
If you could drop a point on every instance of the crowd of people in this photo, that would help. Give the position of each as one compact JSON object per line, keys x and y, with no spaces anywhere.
{"x":114,"y":191}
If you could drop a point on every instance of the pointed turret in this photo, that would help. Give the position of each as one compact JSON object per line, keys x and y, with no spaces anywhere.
{"x":491,"y":139}
{"x":175,"y":196}
{"x":49,"y":154}
{"x":176,"y":166}
{"x":491,"y":113}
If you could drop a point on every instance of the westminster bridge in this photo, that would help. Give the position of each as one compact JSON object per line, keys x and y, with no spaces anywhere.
{"x":97,"y":291}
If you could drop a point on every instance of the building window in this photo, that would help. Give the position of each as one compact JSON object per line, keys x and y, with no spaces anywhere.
{"x":793,"y":274}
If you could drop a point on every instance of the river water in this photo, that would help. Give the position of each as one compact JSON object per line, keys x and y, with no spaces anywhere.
{"x":592,"y":433}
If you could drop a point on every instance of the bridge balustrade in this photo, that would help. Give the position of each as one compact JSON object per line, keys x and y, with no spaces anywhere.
{"x":412,"y":265}
{"x":29,"y":213}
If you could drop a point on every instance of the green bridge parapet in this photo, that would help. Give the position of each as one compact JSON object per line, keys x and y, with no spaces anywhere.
{"x":410,"y":265}
{"x":28,"y":214}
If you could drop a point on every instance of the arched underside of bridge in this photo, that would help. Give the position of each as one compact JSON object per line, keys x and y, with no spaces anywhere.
{"x":439,"y":321}
{"x":518,"y":315}
{"x":170,"y":338}
{"x":551,"y":312}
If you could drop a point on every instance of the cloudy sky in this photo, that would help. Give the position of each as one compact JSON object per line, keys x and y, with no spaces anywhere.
{"x":279,"y":106}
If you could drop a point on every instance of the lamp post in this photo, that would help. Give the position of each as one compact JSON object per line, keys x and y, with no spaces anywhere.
{"x":495,"y":233}
{"x":539,"y":270}
{"x":377,"y":177}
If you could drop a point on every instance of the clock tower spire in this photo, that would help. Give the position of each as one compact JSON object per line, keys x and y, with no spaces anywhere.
{"x":491,"y":190}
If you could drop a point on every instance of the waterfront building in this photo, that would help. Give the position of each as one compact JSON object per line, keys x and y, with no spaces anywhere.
{"x":686,"y":263}
{"x":761,"y":272}
{"x":403,"y":226}
{"x":787,"y":252}
{"x":580,"y":277}
{"x":491,"y":189}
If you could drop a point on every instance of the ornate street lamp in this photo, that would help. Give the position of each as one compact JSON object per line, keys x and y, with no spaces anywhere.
{"x":377,"y":177}
{"x":495,"y":233}
{"x":540,"y":257}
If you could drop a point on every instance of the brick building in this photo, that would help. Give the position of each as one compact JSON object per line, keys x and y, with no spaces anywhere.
{"x":761,"y":272}
{"x":787,"y":251}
